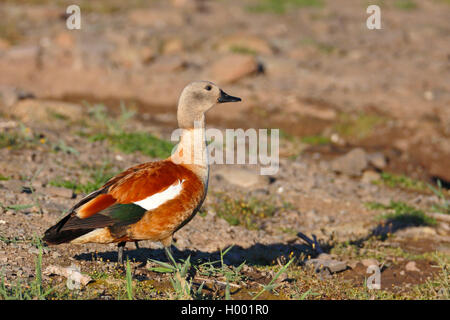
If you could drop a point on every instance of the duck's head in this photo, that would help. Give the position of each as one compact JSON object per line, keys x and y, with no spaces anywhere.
{"x":197,"y":98}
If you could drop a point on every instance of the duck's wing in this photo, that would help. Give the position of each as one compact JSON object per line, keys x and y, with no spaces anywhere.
{"x":122,"y":201}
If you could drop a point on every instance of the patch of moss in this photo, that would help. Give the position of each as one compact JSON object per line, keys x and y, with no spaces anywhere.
{"x":405,"y":4}
{"x":316,"y":140}
{"x":281,"y":6}
{"x":358,"y":126}
{"x":245,"y":212}
{"x":400,"y":181}
{"x":402,"y":213}
{"x":98,"y":177}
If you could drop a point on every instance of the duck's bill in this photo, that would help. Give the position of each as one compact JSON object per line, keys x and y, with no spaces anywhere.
{"x":227,"y":98}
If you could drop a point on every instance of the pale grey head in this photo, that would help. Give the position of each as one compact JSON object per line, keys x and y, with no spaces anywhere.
{"x":196,"y":99}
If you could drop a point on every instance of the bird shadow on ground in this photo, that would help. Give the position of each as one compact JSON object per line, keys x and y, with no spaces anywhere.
{"x":389,"y":227}
{"x":257,"y":254}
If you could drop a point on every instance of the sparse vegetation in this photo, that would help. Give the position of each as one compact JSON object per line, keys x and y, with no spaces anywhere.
{"x":98,"y":177}
{"x":21,"y":138}
{"x":114,"y":131}
{"x":281,"y":6}
{"x":245,"y":212}
{"x":309,"y":82}
{"x":27,"y":291}
{"x":400,"y":212}
{"x":400,"y":181}
{"x":316,"y":140}
{"x":443,"y":206}
{"x":357,"y":126}
{"x":405,"y":4}
{"x":242,"y":50}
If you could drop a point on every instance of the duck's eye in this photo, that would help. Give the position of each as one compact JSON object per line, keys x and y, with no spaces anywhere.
{"x":208,"y":87}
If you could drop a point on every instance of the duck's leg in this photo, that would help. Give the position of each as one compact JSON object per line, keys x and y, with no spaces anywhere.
{"x":137,"y":245}
{"x":121,"y":247}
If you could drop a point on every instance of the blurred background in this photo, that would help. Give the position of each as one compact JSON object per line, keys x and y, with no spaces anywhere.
{"x":364,"y":119}
{"x":308,"y":67}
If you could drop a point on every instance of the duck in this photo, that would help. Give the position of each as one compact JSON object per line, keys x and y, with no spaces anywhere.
{"x":152,"y":200}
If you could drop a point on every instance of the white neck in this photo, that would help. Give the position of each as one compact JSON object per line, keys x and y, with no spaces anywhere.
{"x":192,"y":151}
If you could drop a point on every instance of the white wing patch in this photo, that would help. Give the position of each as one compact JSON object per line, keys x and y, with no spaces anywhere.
{"x":157,"y":199}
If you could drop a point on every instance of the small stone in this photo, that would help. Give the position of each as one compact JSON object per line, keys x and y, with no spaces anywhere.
{"x":377,"y":159}
{"x":4,"y":44}
{"x":411,"y":266}
{"x":172,"y":46}
{"x":243,"y":178}
{"x":72,"y":273}
{"x":59,"y":192}
{"x":352,"y":163}
{"x":369,"y":176}
{"x":43,"y":110}
{"x":65,"y":40}
{"x":370,"y":262}
{"x":428,"y":95}
{"x":331,"y":265}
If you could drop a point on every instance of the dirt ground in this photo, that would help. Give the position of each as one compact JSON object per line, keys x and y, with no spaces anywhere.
{"x":364,"y":119}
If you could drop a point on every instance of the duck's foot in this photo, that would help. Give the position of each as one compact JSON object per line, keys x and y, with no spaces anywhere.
{"x":120,"y":250}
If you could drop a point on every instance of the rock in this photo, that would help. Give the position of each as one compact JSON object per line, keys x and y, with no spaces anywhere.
{"x":232,"y":68}
{"x":65,"y":40}
{"x":411,"y":266}
{"x":174,"y":45}
{"x":377,"y":159}
{"x":369,"y":176}
{"x":155,"y":18}
{"x":352,"y":163}
{"x":45,"y":111}
{"x":324,"y":262}
{"x":10,"y":95}
{"x":75,"y":278}
{"x":243,"y":178}
{"x":370,"y":262}
{"x":4,"y":44}
{"x":59,"y":192}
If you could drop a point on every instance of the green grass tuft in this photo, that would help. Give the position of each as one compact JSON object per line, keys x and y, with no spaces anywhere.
{"x":131,"y":142}
{"x":443,"y":206}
